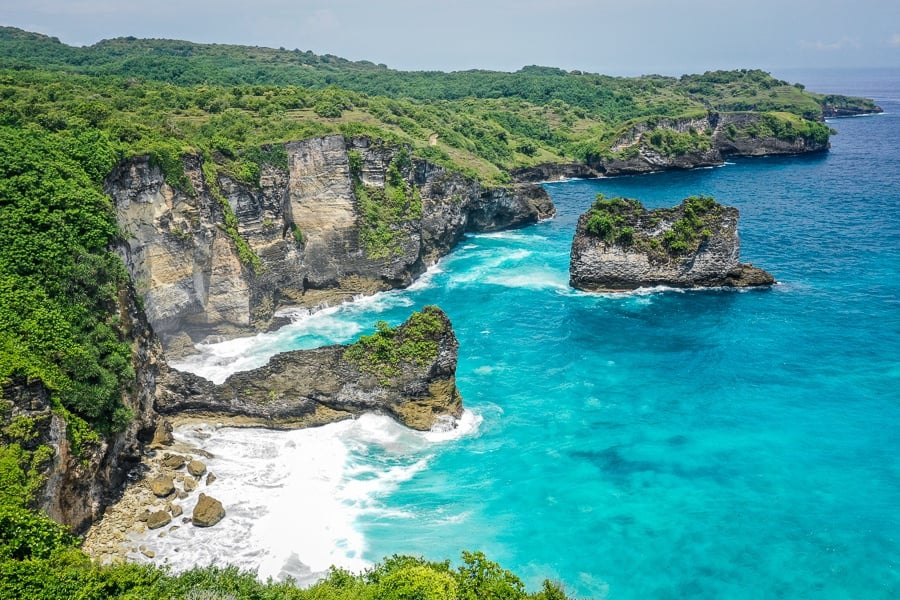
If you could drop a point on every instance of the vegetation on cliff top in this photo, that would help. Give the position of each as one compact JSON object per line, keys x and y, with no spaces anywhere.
{"x":414,"y":342}
{"x":663,"y":233}
{"x":229,"y":100}
{"x":60,"y":286}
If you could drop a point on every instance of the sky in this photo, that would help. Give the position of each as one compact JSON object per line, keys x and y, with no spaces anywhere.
{"x":623,"y":37}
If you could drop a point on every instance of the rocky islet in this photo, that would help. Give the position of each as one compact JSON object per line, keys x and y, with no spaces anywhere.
{"x":619,"y":245}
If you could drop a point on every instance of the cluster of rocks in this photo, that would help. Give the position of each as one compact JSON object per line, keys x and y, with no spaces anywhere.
{"x":155,"y":503}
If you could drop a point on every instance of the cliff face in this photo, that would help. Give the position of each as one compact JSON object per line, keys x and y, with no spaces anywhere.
{"x":313,"y":387}
{"x":619,"y":245}
{"x":305,"y":225}
{"x":705,"y":141}
{"x":78,"y":486}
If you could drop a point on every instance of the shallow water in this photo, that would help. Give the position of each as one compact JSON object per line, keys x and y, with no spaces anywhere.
{"x":659,"y":444}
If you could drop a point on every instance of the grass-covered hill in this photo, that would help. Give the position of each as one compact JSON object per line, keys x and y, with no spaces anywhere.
{"x":69,"y":115}
{"x":483,"y":122}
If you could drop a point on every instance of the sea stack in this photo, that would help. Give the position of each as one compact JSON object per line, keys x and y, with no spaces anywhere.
{"x":619,"y":245}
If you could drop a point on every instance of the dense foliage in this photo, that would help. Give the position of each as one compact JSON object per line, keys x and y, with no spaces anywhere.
{"x":415,"y":342}
{"x":168,"y":96}
{"x":662,"y":233}
{"x":38,"y":559}
{"x":59,"y":284}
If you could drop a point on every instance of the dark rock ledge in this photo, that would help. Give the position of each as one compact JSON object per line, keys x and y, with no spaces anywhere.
{"x":408,"y":373}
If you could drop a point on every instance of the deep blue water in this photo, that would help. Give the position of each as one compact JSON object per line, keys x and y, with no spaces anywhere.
{"x":711,"y":444}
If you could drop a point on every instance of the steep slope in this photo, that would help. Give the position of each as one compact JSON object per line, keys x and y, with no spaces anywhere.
{"x":348,"y":217}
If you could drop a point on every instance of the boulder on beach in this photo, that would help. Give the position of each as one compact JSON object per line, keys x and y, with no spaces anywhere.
{"x":157,"y":519}
{"x":173,"y":461}
{"x":208,"y":511}
{"x":196,"y":468}
{"x":162,"y":486}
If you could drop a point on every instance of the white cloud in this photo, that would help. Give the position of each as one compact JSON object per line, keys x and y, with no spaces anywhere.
{"x":841,"y":44}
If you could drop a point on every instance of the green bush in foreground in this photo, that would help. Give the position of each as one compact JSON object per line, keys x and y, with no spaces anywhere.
{"x":38,"y":560}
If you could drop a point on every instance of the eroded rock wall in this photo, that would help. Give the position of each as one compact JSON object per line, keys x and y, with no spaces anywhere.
{"x":598,"y":264}
{"x":79,"y":483}
{"x":303,"y":224}
{"x":633,"y":155}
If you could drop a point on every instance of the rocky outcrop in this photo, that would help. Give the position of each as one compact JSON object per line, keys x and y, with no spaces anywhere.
{"x":411,"y":377}
{"x":666,"y":144}
{"x":79,"y":482}
{"x":207,"y":512}
{"x":619,"y":245}
{"x":836,"y":106}
{"x":553,"y":172}
{"x":305,"y":227}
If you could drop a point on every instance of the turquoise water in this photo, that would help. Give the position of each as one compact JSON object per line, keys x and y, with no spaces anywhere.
{"x":671,"y":444}
{"x":698,"y":444}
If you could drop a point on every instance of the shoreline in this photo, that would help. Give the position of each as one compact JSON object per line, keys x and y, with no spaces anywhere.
{"x":291,"y":497}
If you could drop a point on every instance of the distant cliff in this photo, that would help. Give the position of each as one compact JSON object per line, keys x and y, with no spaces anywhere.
{"x":347,"y":217}
{"x":661,"y":144}
{"x":619,"y":245}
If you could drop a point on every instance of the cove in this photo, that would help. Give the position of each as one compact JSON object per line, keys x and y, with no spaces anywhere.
{"x":658,"y":444}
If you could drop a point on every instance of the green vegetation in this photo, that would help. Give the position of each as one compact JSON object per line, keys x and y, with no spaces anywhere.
{"x":694,"y":226}
{"x":165,"y":98}
{"x":69,"y":115}
{"x":673,"y":143}
{"x":786,"y":127}
{"x":38,"y":560}
{"x":625,"y":222}
{"x":385,"y":210}
{"x":59,"y":285}
{"x":415,"y":342}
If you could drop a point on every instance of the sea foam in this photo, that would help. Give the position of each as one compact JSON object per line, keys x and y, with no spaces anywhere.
{"x":293,"y":498}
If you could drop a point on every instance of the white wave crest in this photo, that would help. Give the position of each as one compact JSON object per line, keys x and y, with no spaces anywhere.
{"x":535,"y":279}
{"x":293,"y":498}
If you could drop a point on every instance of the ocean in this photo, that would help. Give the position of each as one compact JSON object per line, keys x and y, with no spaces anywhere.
{"x":658,"y":444}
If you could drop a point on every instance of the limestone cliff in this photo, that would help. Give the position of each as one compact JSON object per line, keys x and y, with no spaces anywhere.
{"x":619,"y":245}
{"x":310,"y":228}
{"x":408,"y":373}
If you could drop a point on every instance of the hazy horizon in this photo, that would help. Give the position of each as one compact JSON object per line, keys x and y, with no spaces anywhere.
{"x":634,"y":38}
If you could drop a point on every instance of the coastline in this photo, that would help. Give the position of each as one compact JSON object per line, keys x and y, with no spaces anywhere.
{"x":292,"y":497}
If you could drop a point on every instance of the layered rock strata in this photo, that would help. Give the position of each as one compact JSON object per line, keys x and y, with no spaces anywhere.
{"x":305,"y":226}
{"x":619,"y":245}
